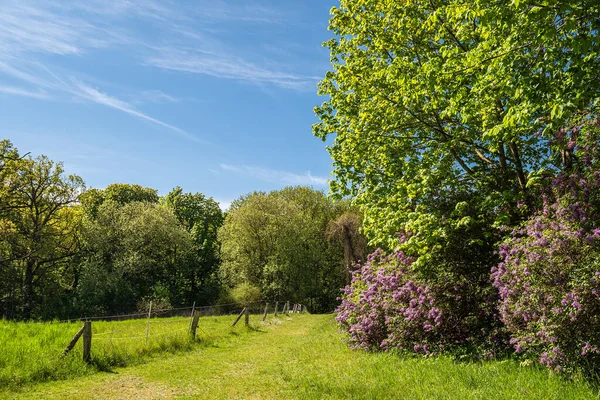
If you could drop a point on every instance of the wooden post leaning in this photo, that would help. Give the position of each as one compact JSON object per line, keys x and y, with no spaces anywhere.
{"x":87,"y":341}
{"x":73,"y":341}
{"x":265,"y":313}
{"x":238,"y":317}
{"x":194,"y":326}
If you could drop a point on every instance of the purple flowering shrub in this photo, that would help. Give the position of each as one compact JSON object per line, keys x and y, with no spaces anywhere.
{"x":549,"y":276}
{"x":385,"y":307}
{"x":392,"y":304}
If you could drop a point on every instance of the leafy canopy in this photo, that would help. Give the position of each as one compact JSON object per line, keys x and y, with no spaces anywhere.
{"x":441,"y":99}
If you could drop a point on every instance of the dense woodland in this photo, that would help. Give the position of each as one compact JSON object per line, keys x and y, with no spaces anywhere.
{"x":68,"y":251}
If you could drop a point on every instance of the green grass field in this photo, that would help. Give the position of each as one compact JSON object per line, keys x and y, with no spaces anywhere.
{"x":296,"y":357}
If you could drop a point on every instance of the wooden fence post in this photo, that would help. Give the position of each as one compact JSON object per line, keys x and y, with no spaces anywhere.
{"x":295,"y":308}
{"x":192,"y":316}
{"x":73,"y":341}
{"x":247,"y":317}
{"x":194,"y":325}
{"x":148,"y":327}
{"x":287,"y":307}
{"x":87,"y":341}
{"x":276,"y":306}
{"x":265,"y":313}
{"x":238,"y":317}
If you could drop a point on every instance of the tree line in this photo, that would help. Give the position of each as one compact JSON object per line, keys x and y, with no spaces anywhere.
{"x":69,"y":251}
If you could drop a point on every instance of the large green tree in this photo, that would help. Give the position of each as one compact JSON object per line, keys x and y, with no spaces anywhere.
{"x":41,"y":225}
{"x":120,"y":193}
{"x":201,"y":217}
{"x":277,"y":242}
{"x":443,"y":109}
{"x":134,"y":252}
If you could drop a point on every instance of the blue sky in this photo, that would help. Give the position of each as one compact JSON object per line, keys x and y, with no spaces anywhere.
{"x":213,"y":96}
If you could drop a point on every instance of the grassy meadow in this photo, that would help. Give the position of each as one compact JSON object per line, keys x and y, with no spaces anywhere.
{"x":32,"y":351}
{"x":295,"y":357}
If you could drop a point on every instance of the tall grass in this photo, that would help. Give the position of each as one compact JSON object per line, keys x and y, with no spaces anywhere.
{"x":32,"y":351}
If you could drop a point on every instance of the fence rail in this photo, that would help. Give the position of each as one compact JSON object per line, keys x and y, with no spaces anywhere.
{"x":154,"y":318}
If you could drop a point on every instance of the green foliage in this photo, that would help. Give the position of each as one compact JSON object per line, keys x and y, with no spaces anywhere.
{"x":277,"y":241}
{"x":134,"y":251}
{"x":201,"y":217}
{"x":429,"y":100}
{"x":40,"y":227}
{"x":245,"y":293}
{"x":120,"y":193}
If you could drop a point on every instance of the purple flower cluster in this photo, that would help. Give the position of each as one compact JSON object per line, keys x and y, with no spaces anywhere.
{"x":387,"y":307}
{"x":390,"y":305}
{"x":549,"y":277}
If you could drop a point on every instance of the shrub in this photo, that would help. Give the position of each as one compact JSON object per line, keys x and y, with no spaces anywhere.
{"x":391,"y":304}
{"x":549,"y":277}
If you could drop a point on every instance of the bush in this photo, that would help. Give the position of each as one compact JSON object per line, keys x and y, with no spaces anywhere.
{"x":549,"y":277}
{"x":391,"y":304}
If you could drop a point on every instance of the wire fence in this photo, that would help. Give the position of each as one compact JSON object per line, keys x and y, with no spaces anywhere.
{"x":175,"y":327}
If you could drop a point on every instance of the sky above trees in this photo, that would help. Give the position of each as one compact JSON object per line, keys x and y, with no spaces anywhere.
{"x":212,"y":96}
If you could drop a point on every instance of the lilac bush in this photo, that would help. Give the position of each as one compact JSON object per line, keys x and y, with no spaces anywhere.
{"x":391,"y":305}
{"x":549,"y":277}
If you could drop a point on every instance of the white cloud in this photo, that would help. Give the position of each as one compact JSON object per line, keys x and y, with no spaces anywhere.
{"x":224,"y":204}
{"x":45,"y":79}
{"x":227,"y":67}
{"x":276,"y":176}
{"x":154,"y":96}
{"x":94,"y":95}
{"x":64,"y":28}
{"x":40,"y":94}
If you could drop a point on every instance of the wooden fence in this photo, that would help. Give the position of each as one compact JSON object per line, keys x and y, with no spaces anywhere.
{"x":85,"y":331}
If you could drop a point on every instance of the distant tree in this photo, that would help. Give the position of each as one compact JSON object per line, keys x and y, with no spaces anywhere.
{"x":39,"y":202}
{"x":345,"y":229}
{"x":134,"y":252}
{"x":121,"y":193}
{"x":276,"y":241}
{"x":201,"y":217}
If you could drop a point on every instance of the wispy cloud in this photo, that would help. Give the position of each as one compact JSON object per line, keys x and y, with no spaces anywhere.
{"x":45,"y":80}
{"x":37,"y":27}
{"x":64,"y":28}
{"x":227,"y":67}
{"x":40,"y":94}
{"x":193,"y":38}
{"x":94,"y":95}
{"x":276,"y":176}
{"x":154,"y":96}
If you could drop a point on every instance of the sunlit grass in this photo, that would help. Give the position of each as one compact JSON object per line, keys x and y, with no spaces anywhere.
{"x":295,"y":357}
{"x":32,"y":351}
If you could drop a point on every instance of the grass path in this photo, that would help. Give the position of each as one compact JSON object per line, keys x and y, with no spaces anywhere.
{"x":302,"y":357}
